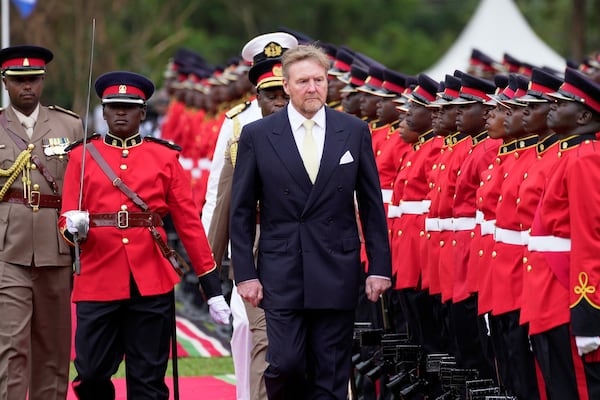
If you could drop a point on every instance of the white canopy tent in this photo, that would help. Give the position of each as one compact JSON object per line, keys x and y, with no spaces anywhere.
{"x":497,"y":27}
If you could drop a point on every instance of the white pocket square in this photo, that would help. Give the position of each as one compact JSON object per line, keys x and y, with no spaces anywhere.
{"x":346,"y":158}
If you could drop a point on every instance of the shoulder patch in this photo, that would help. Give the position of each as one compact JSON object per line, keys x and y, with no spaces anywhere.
{"x":169,"y":144}
{"x":237,"y":109}
{"x":76,"y":143}
{"x":64,"y":110}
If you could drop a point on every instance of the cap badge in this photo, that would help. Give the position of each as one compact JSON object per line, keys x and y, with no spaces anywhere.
{"x":277,"y":70}
{"x":26,"y":62}
{"x":273,"y":50}
{"x":122,"y":89}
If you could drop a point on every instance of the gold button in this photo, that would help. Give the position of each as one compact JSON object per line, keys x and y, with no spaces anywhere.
{"x":529,"y":268}
{"x":524,"y":260}
{"x":429,"y":236}
{"x":399,"y":233}
{"x":33,"y":166}
{"x":442,"y":243}
{"x":518,"y":200}
{"x":125,"y":240}
{"x":559,"y":154}
{"x":422,"y":233}
{"x":516,"y":155}
{"x":458,"y":173}
{"x":481,"y":183}
{"x":454,"y":243}
{"x":30,"y":146}
{"x":378,"y":152}
{"x":491,"y":166}
{"x":442,"y":167}
{"x":125,"y":153}
{"x":123,"y":207}
{"x":500,"y":198}
{"x":489,"y":177}
{"x":505,"y":175}
{"x":525,"y":175}
{"x":408,"y":164}
{"x":480,"y":253}
{"x":123,"y":166}
{"x":494,"y":254}
{"x":439,"y":189}
{"x":36,"y":186}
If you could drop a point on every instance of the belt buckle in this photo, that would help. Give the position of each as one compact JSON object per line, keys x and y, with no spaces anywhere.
{"x":123,"y":219}
{"x":34,"y":200}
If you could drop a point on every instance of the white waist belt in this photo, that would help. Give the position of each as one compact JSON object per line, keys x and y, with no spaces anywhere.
{"x":548,"y":243}
{"x":386,"y":194}
{"x":488,"y":227}
{"x":432,"y":224}
{"x":394,"y":211}
{"x":446,"y":224}
{"x":509,"y":236}
{"x":525,"y":237}
{"x":415,"y":207}
{"x":478,"y":217}
{"x":464,"y":224}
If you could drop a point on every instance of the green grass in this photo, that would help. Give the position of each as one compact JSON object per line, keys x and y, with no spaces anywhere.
{"x":188,"y":366}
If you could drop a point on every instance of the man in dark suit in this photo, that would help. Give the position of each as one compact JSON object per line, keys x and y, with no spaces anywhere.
{"x":308,"y":178}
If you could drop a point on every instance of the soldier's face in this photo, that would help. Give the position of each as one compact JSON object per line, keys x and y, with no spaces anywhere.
{"x":124,"y":119}
{"x":534,"y":117}
{"x":306,"y":84}
{"x":513,"y":123}
{"x":495,"y":122}
{"x":418,"y":118}
{"x":271,"y":100}
{"x":563,"y":115}
{"x":448,"y":117}
{"x":24,"y":91}
{"x":470,"y":118}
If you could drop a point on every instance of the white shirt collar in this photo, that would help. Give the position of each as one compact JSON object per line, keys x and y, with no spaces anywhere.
{"x":34,"y":115}
{"x":296,"y":119}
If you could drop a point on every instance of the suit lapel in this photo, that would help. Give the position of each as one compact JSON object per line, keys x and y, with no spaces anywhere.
{"x":284,"y":145}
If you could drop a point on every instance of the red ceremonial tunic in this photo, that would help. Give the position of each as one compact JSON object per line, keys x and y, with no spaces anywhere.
{"x":410,"y":227}
{"x":110,"y":255}
{"x":482,"y":154}
{"x":544,"y":301}
{"x":509,"y":246}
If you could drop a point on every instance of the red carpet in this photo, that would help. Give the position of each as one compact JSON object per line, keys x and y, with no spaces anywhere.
{"x":205,"y":387}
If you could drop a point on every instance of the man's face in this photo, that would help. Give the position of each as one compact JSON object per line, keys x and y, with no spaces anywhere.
{"x":494,"y":124}
{"x":513,"y":123}
{"x":24,"y":91}
{"x":387,"y":111}
{"x":563,"y":115}
{"x":333,"y":91}
{"x":351,"y":103}
{"x":534,"y":117}
{"x":447,"y":116}
{"x":418,"y":118}
{"x":271,"y":100}
{"x":368,"y":105}
{"x":470,"y":118}
{"x":307,"y":86}
{"x":124,"y":119}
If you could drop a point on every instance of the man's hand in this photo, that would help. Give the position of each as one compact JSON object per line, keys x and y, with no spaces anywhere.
{"x":251,"y":291}
{"x":78,"y":223}
{"x":587,"y":344}
{"x":375,"y":286}
{"x":219,"y":310}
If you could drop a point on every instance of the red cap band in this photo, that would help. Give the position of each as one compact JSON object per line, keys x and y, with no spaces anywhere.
{"x":123,"y":90}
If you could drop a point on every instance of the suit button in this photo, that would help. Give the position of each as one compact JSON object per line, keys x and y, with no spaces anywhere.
{"x":286,"y":191}
{"x":125,"y":240}
{"x":340,"y":189}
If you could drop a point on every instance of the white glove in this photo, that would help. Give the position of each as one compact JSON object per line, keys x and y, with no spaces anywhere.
{"x":219,"y":310}
{"x":78,"y":222}
{"x":587,"y":344}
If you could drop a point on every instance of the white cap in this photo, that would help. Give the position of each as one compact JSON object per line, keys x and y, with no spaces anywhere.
{"x":269,"y":45}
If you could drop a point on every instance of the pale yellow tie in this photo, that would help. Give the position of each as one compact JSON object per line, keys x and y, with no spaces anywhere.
{"x":309,"y":151}
{"x":28,"y":123}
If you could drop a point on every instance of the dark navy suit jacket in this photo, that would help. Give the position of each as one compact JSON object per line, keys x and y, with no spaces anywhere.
{"x":309,"y":247}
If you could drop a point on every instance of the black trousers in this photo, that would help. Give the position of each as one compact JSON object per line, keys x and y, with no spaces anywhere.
{"x":309,"y":355}
{"x":515,"y":360}
{"x":565,"y":379}
{"x":138,"y":329}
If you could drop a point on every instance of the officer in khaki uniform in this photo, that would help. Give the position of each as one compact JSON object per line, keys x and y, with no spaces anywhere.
{"x":35,"y":263}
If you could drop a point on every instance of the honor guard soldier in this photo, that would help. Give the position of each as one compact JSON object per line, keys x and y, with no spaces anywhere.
{"x":249,"y":339}
{"x":564,"y":233}
{"x":35,"y":267}
{"x":454,"y":274}
{"x":124,"y":292}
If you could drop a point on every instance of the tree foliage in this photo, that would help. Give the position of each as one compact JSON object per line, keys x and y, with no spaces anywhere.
{"x":141,"y":35}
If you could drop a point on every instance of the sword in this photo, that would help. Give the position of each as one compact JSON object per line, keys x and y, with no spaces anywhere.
{"x":85,"y":129}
